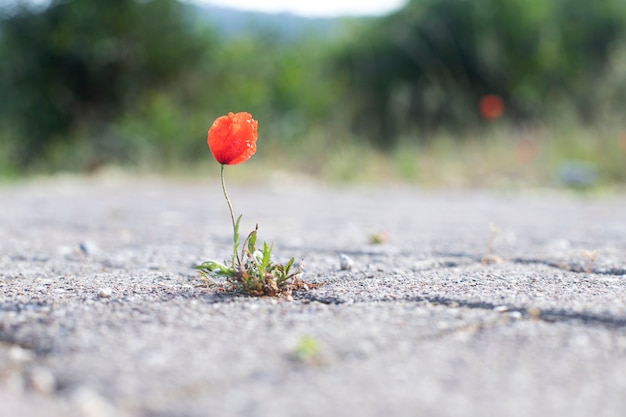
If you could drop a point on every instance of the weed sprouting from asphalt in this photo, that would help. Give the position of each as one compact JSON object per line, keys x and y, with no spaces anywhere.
{"x":252,"y":271}
{"x":590,"y":257}
{"x":308,"y":352}
{"x":378,"y":238}
{"x":491,"y":257}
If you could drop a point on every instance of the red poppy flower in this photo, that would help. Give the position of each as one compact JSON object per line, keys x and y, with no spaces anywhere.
{"x":232,"y":138}
{"x":491,"y":106}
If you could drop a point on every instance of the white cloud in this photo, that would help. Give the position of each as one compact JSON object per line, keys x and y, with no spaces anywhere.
{"x":315,"y":7}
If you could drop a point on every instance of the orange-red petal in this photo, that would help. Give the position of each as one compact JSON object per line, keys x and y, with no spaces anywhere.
{"x":232,"y":138}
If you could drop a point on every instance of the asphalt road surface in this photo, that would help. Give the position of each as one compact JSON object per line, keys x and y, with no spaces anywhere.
{"x":475,"y":303}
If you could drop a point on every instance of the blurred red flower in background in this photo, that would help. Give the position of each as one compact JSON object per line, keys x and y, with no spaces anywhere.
{"x":232,"y":138}
{"x":491,"y":106}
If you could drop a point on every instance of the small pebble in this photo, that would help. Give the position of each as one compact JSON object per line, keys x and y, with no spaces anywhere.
{"x":89,"y":403}
{"x":19,"y":355}
{"x":88,"y":247}
{"x":345,"y":263}
{"x":42,"y":380}
{"x":105,"y":292}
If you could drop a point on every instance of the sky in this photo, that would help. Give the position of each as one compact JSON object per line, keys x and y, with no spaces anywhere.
{"x":314,"y":8}
{"x":310,"y":8}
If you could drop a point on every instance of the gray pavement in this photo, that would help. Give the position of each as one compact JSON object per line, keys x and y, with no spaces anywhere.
{"x":478,"y":304}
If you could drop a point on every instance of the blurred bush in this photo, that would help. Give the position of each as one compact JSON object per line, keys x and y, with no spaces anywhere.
{"x":138,"y":82}
{"x":77,"y":65}
{"x":428,"y":65}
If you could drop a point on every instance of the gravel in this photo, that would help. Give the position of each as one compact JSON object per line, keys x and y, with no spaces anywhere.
{"x":474,"y":304}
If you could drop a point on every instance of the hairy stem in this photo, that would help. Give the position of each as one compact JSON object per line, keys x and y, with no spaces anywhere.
{"x":232,"y":218}
{"x":230,"y":206}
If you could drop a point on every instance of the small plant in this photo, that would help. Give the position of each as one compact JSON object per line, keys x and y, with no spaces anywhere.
{"x":378,"y":238}
{"x":308,"y":352}
{"x":590,"y":257}
{"x":491,"y":257}
{"x":251,"y":271}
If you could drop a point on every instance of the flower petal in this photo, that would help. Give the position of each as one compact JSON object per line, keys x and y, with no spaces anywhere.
{"x":232,"y":138}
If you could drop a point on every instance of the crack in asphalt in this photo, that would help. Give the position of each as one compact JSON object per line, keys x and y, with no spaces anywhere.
{"x":569,"y":266}
{"x":584,"y":267}
{"x":535,"y":313}
{"x":531,"y":313}
{"x":443,"y":260}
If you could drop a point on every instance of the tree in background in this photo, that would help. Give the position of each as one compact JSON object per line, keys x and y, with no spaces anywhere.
{"x":428,"y":65}
{"x":138,"y":81}
{"x":78,"y":64}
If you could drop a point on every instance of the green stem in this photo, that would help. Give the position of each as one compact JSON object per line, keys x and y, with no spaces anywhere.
{"x":230,"y":206}
{"x":232,"y":218}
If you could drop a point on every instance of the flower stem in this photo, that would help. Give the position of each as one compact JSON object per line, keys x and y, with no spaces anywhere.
{"x":230,"y":206}
{"x":232,"y":218}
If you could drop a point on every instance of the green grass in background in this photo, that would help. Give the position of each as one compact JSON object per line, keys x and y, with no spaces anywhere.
{"x":500,"y":157}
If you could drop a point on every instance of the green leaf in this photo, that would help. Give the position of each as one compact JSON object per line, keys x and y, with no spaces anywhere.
{"x":252,"y":241}
{"x":236,"y":231}
{"x":215,"y":269}
{"x":289,"y":265}
{"x":236,"y":240}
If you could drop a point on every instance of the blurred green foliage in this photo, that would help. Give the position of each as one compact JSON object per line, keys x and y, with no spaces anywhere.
{"x":76,"y":65}
{"x":428,"y":65}
{"x":138,"y":82}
